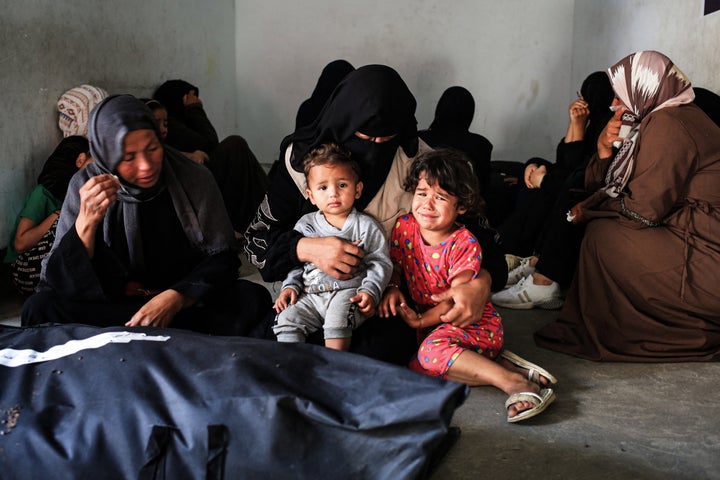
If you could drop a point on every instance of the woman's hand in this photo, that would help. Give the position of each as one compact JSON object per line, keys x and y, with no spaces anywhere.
{"x":469,"y":300}
{"x":337,"y":257}
{"x":576,"y":214}
{"x":610,"y":134}
{"x":160,"y":310}
{"x":96,"y":196}
{"x":198,"y":156}
{"x":579,"y":112}
{"x":534,"y":175}
{"x":286,"y":298}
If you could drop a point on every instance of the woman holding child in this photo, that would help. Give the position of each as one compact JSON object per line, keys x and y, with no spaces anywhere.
{"x":372,"y":114}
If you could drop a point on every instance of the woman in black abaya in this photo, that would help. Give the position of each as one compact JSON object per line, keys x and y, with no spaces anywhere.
{"x":372,"y":114}
{"x":143,"y":238}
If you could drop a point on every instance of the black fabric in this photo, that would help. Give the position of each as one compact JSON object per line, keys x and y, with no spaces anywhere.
{"x":234,"y":309}
{"x":165,"y":409}
{"x":240,"y":178}
{"x":61,"y":165}
{"x":330,"y":77}
{"x":709,"y":102}
{"x":373,"y":100}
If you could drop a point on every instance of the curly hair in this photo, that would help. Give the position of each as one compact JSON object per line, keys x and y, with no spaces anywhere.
{"x":452,"y":170}
{"x":332,"y":154}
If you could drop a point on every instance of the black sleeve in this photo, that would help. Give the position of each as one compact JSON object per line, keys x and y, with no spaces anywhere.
{"x":271,"y":241}
{"x":568,"y":157}
{"x":493,"y":256}
{"x":73,"y":274}
{"x":213,"y":272}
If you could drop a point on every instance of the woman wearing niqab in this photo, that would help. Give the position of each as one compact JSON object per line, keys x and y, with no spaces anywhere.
{"x":162,"y":250}
{"x":372,"y":114}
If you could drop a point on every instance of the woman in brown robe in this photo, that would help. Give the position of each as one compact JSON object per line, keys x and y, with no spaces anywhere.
{"x":648,"y":282}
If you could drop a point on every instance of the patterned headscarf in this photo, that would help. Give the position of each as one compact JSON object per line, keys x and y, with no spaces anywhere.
{"x":74,"y":107}
{"x":644,"y":82}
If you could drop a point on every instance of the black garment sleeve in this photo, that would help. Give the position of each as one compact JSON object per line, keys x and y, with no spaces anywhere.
{"x":73,"y":274}
{"x":271,"y":241}
{"x":493,"y":256}
{"x":193,"y":132}
{"x":212,"y":273}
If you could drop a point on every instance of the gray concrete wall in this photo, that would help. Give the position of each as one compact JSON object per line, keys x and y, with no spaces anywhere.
{"x":48,"y":47}
{"x":609,"y":30}
{"x":513,"y":55}
{"x":256,"y":60}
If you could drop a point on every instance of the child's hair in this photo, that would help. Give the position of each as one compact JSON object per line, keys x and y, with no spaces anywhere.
{"x":330,"y":153}
{"x":452,"y":170}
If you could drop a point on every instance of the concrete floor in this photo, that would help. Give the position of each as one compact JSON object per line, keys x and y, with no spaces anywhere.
{"x":609,"y":421}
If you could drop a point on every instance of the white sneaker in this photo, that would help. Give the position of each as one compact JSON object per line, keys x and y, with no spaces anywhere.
{"x":525,"y":295}
{"x":521,"y":271}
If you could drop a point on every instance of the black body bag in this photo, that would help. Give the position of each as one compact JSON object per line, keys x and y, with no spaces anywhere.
{"x":148,"y":403}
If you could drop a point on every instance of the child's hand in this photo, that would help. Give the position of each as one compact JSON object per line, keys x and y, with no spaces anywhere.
{"x":410,"y":316}
{"x":365,"y":303}
{"x":286,"y":298}
{"x":390,"y":303}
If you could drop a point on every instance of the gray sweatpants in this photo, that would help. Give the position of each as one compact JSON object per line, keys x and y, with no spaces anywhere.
{"x":332,"y":311}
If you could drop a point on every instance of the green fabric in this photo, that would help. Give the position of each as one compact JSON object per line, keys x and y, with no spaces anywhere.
{"x":39,"y":204}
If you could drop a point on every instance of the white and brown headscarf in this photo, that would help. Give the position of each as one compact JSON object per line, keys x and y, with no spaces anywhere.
{"x":74,"y":107}
{"x":644,"y":82}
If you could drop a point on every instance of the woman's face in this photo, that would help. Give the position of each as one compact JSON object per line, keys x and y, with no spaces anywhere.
{"x":160,"y":115}
{"x":141,"y":164}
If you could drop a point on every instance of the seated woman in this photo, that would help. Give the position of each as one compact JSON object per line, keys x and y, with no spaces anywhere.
{"x":240,"y":177}
{"x":143,"y":239}
{"x":34,"y":231}
{"x":372,"y":114}
{"x":647,"y":280}
{"x":451,"y":129}
{"x":541,"y":222}
{"x":543,"y":181}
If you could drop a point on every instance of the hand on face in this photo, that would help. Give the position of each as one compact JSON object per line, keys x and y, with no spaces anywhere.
{"x":96,"y":196}
{"x":611,"y":132}
{"x":191,"y":98}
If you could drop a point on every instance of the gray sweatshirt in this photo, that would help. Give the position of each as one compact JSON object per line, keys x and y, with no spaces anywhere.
{"x":375,"y":268}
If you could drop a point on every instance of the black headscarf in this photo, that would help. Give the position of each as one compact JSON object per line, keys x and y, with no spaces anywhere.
{"x":709,"y":102}
{"x":170,"y":94}
{"x":195,"y":197}
{"x":331,"y":76}
{"x":597,"y":91}
{"x":61,"y":165}
{"x":455,"y":110}
{"x":373,"y":100}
